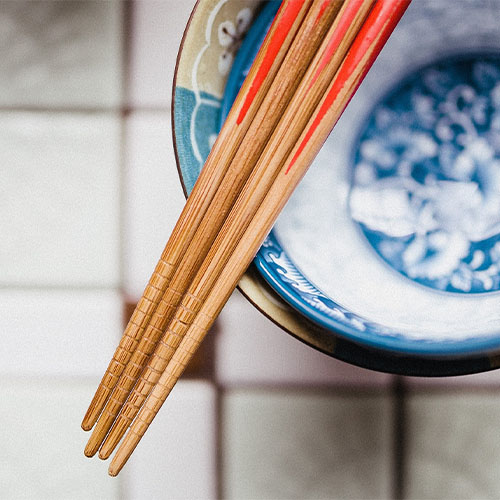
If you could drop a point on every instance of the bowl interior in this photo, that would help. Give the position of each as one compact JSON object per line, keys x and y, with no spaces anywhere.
{"x":325,"y":256}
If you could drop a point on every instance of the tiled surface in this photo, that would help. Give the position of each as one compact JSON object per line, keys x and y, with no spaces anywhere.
{"x":453,"y":446}
{"x":61,"y":85}
{"x":58,"y":332}
{"x":305,"y":445}
{"x":156,"y":37}
{"x":153,"y":195}
{"x":176,"y":458}
{"x":59,"y":199}
{"x":42,"y":454}
{"x":252,"y":350}
{"x":56,"y":53}
{"x":88,"y":196}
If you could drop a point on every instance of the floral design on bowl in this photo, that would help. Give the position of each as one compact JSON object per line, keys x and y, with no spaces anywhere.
{"x":339,"y":327}
{"x":199,"y":90}
{"x":230,"y":35}
{"x":426,"y":180}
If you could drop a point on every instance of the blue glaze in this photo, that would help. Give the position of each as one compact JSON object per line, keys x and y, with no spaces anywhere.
{"x":425,"y":186}
{"x":287,"y":280}
{"x":203,"y":120}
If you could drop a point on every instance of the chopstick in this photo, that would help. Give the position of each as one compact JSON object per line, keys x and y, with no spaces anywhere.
{"x":254,"y":89}
{"x":294,"y":119}
{"x":316,"y":22}
{"x":372,"y":37}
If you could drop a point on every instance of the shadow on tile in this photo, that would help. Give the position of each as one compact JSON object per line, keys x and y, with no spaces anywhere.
{"x":288,"y":444}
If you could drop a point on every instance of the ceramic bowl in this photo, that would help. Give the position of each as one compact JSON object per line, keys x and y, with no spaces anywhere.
{"x":388,"y":254}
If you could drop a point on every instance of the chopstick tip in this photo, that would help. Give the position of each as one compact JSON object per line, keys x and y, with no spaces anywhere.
{"x":95,"y":408}
{"x":113,"y":438}
{"x":123,"y":453}
{"x":112,"y":472}
{"x":104,"y":453}
{"x":86,"y":426}
{"x":91,"y":448}
{"x":115,"y":468}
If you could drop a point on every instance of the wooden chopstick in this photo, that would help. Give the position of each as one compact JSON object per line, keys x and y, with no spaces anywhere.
{"x":255,"y":88}
{"x":379,"y":25}
{"x":316,"y":22}
{"x":312,"y":87}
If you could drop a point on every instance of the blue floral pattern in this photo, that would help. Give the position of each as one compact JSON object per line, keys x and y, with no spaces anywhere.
{"x":197,"y":117}
{"x":284,"y":276}
{"x":426,"y":180}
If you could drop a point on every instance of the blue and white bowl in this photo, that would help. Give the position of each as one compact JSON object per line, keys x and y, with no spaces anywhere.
{"x":388,"y":253}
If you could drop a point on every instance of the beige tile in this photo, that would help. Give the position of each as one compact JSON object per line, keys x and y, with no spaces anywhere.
{"x":58,"y":332}
{"x":42,"y":443}
{"x":157,"y":28}
{"x":60,"y":53}
{"x":253,"y":350}
{"x":453,"y":446}
{"x":286,"y":444}
{"x":176,"y":457}
{"x":59,"y":199}
{"x":153,"y":197}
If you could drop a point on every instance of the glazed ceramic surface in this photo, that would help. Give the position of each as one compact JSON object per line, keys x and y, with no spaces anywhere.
{"x":366,"y":251}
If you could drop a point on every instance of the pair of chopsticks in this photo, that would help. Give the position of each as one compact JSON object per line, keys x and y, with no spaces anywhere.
{"x":249,"y":125}
{"x":311,"y":62}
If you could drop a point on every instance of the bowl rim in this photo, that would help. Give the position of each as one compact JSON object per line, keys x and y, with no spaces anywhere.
{"x":327,"y":338}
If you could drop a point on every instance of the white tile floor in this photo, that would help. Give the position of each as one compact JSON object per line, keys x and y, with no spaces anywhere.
{"x":153,"y":197}
{"x":58,"y":333}
{"x":59,"y":199}
{"x":177,"y":456}
{"x":453,"y":446}
{"x":42,"y":441}
{"x":61,"y":54}
{"x":88,"y":194}
{"x":156,"y":35}
{"x":286,"y":444}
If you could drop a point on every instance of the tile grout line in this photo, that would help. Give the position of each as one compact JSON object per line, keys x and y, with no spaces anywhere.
{"x":126,"y":14}
{"x":317,"y":389}
{"x":219,"y":432}
{"x":399,"y":435}
{"x":58,"y":288}
{"x":124,"y":109}
{"x":126,"y":22}
{"x":59,"y":109}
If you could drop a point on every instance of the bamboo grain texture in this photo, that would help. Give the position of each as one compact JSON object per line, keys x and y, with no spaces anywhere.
{"x":368,"y":44}
{"x":198,"y":203}
{"x":294,"y":119}
{"x":289,"y":75}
